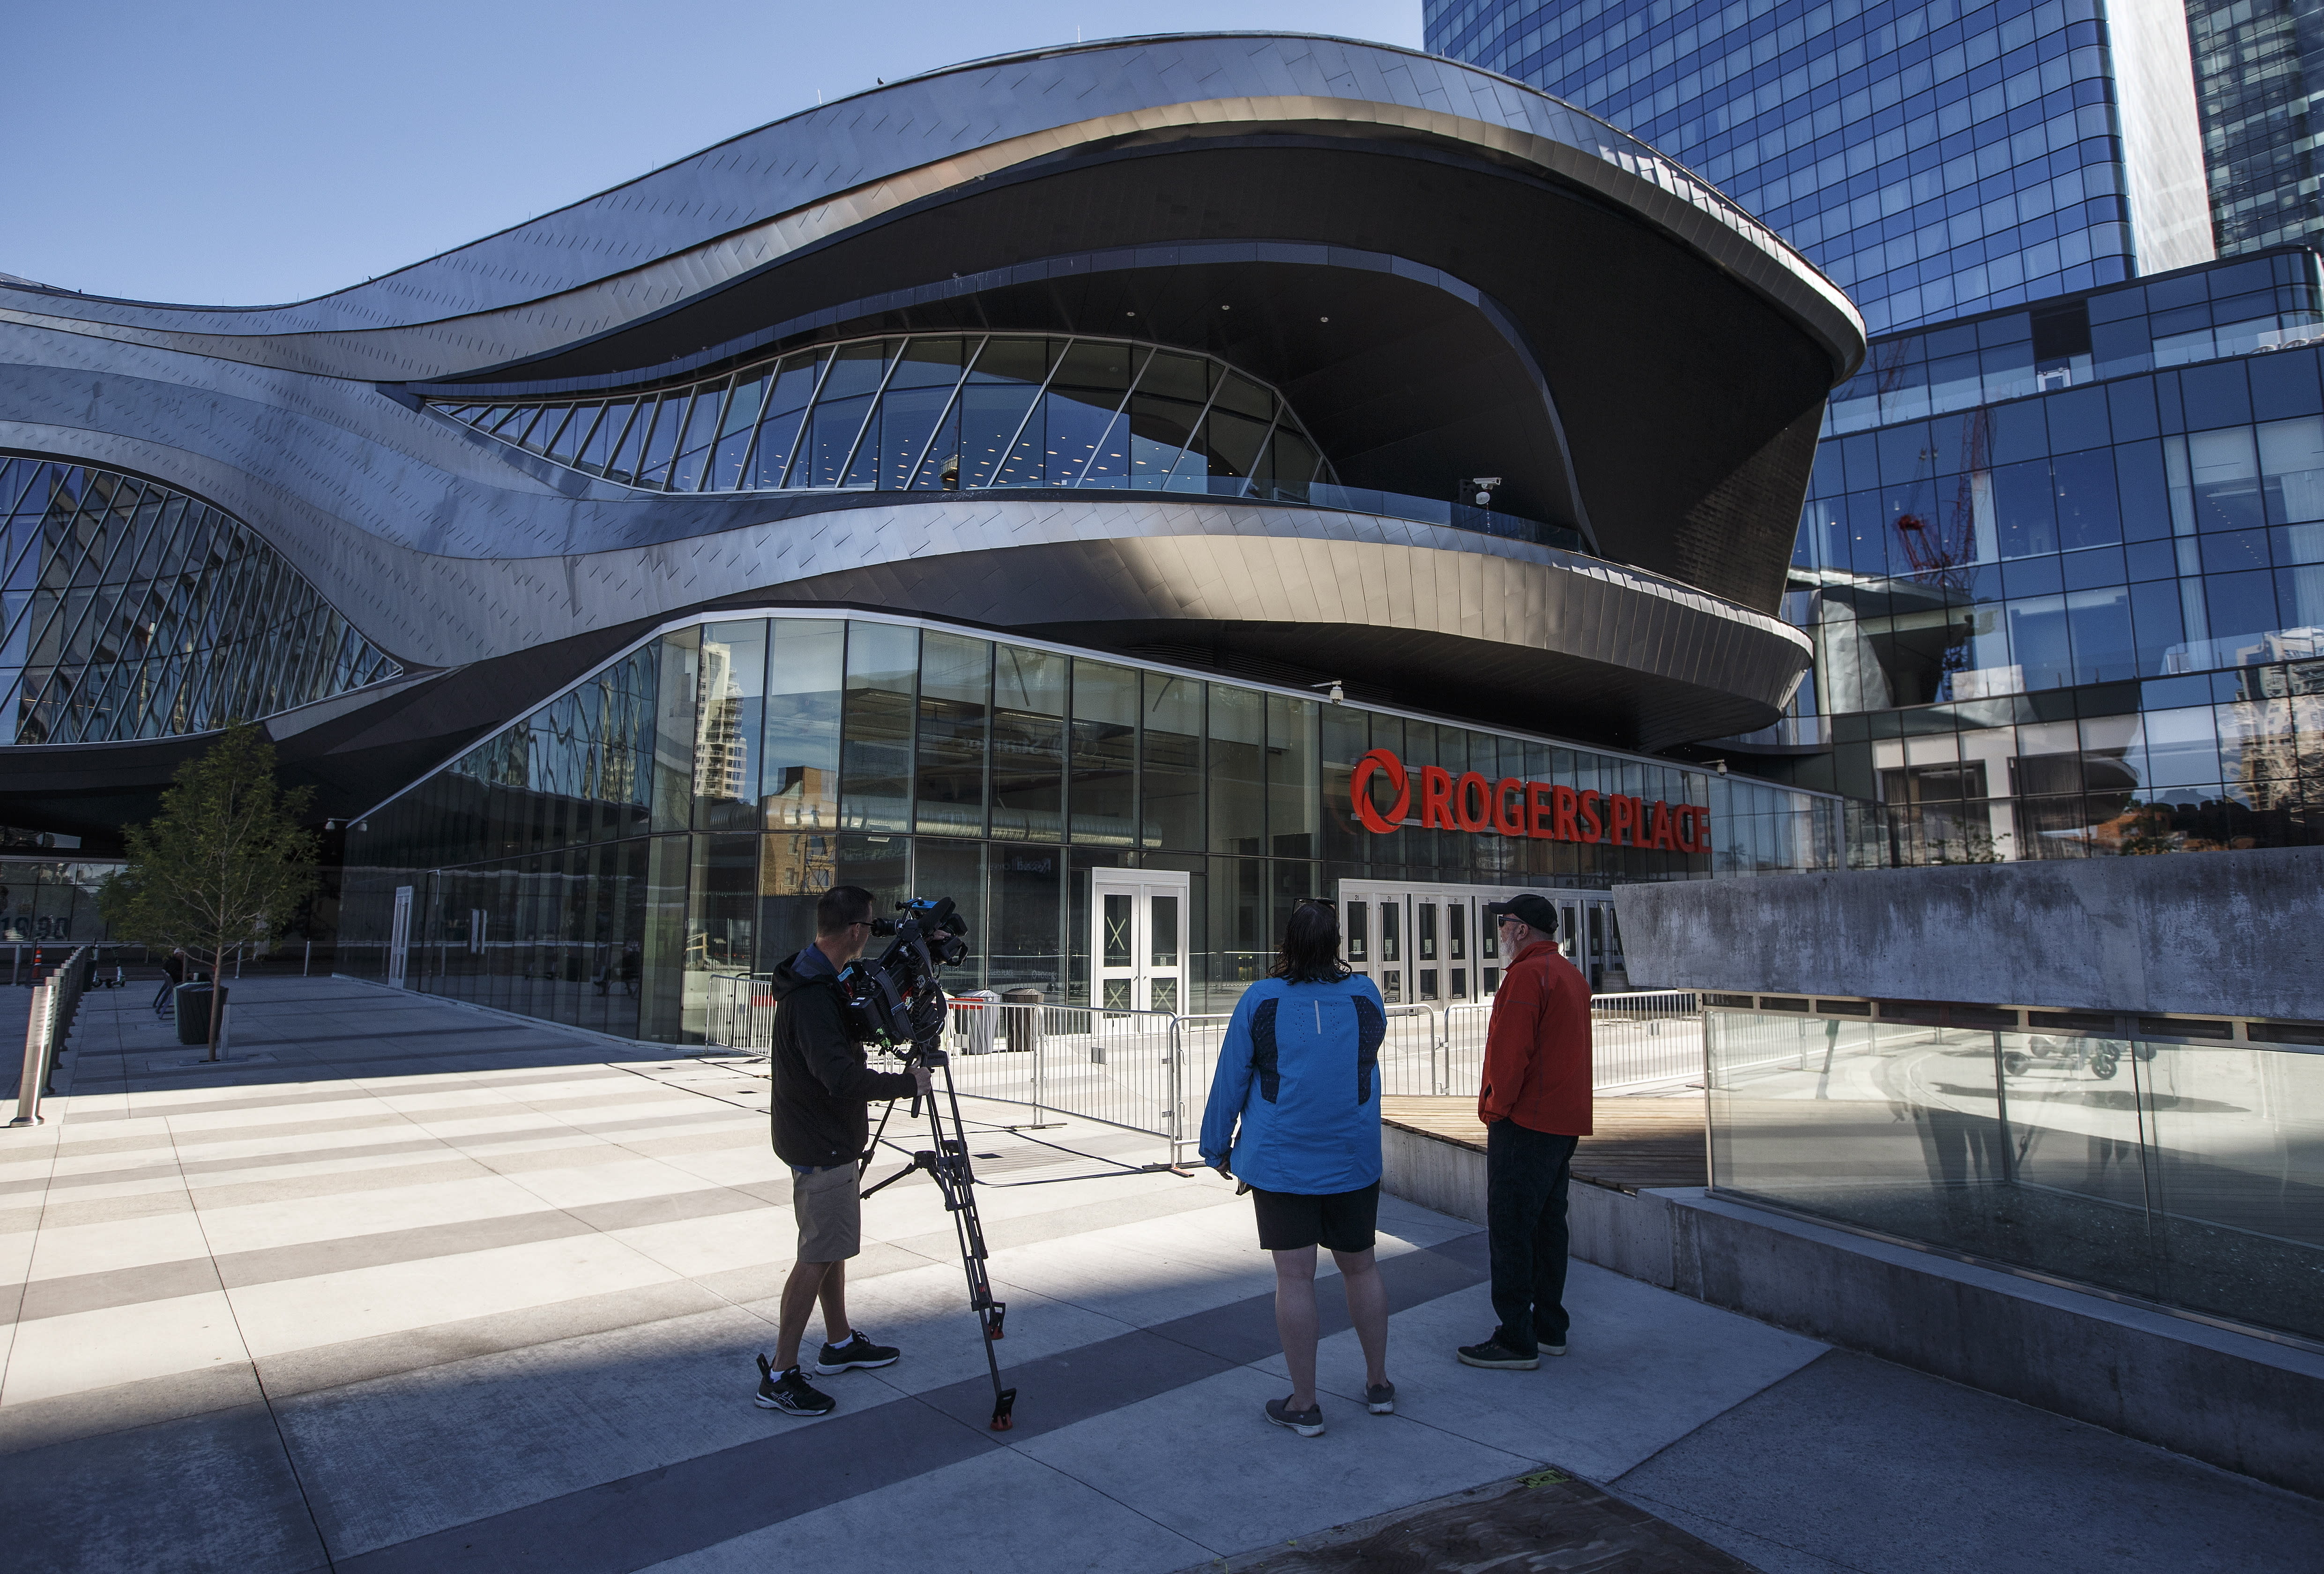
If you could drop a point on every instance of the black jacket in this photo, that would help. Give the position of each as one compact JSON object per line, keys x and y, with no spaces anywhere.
{"x":822,"y":1081}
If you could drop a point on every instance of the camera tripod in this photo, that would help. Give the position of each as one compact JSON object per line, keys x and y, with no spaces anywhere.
{"x":947,"y":1165}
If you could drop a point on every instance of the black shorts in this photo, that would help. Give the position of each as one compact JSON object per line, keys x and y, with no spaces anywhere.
{"x":1341,"y":1222}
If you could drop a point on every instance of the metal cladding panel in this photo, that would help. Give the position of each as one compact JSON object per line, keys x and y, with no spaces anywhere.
{"x":644,"y":246}
{"x":448,"y":549}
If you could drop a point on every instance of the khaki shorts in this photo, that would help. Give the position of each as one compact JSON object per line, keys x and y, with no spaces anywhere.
{"x":830,"y":1214}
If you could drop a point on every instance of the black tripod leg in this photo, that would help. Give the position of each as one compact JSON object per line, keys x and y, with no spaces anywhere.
{"x":961,"y":1198}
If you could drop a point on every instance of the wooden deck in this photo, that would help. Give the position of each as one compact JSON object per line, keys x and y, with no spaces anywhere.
{"x":1638,"y":1143}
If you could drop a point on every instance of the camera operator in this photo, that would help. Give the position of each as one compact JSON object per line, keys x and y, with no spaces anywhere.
{"x":822,"y":1082}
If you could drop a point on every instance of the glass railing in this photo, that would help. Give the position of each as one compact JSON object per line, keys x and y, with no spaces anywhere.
{"x":2188,"y":1174}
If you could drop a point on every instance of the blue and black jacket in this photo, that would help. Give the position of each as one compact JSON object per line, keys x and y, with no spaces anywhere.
{"x":1300,"y":1071}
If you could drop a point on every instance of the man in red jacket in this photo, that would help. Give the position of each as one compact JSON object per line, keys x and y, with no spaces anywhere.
{"x":1536,"y":1106}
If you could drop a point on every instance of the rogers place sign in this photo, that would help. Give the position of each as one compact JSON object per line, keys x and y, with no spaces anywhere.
{"x":1473,"y":803}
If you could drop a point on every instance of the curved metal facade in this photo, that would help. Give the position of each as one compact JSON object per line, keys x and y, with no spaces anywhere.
{"x":1445,"y":274}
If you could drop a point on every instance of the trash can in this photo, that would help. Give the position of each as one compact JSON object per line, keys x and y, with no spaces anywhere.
{"x":1021,"y":1018}
{"x":979,"y":1016}
{"x":193,"y":1012}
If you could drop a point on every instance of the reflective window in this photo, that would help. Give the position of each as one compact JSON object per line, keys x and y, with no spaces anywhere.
{"x":939,"y":412}
{"x":130,"y":610}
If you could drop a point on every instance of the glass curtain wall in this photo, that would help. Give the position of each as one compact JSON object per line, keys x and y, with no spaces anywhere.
{"x":42,"y":899}
{"x":2089,"y":621}
{"x":130,"y":610}
{"x":1933,"y":160}
{"x":935,"y":413}
{"x":677,"y":814}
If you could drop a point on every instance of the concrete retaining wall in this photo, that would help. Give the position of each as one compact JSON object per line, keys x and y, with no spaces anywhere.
{"x":2236,"y":934}
{"x":2244,"y":1403}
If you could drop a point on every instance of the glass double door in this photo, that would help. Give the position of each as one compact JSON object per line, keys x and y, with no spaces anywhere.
{"x":1138,"y":943}
{"x":1436,"y":945}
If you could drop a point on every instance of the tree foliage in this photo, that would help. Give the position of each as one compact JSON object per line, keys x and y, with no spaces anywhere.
{"x":224,"y":864}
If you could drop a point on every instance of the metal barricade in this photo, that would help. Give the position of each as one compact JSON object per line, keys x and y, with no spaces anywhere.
{"x":1645,"y":1039}
{"x":1465,"y":1029}
{"x":1193,"y":1060}
{"x":1113,"y":1067}
{"x":739,"y":1011}
{"x":1411,"y":1054}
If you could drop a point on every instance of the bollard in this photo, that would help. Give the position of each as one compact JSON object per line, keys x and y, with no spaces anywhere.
{"x":36,"y":1055}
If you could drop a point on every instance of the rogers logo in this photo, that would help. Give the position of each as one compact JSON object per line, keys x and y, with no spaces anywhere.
{"x":1359,"y":790}
{"x":1510,"y":807}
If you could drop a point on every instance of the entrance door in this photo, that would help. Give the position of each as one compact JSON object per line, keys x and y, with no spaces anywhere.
{"x":1599,"y":953}
{"x":1137,"y":939}
{"x":1423,"y":945}
{"x":1434,"y":944}
{"x":399,"y":937}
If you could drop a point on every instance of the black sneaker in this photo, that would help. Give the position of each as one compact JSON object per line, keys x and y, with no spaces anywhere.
{"x":858,"y":1351}
{"x":789,"y":1392}
{"x":1307,"y":1422}
{"x":1492,"y":1353}
{"x":1551,"y":1346}
{"x":1379,"y":1398}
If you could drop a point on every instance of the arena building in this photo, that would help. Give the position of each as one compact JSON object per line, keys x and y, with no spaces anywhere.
{"x":1126,"y":487}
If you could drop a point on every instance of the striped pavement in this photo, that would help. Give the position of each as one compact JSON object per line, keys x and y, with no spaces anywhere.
{"x":408,"y":1287}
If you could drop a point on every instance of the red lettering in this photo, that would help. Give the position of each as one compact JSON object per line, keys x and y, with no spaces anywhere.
{"x":1436,"y":797}
{"x":1537,"y":809}
{"x":1663,"y":834}
{"x":1592,"y":827}
{"x":1509,"y":807}
{"x":1360,"y":781}
{"x":1562,"y":800}
{"x":1472,"y":801}
{"x":1622,"y":816}
{"x":1683,"y":827}
{"x":1703,"y":827}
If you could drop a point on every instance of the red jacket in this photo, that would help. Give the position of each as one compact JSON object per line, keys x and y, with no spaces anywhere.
{"x":1537,"y":1048}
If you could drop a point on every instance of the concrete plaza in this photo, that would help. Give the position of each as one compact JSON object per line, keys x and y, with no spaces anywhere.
{"x":410,"y":1286}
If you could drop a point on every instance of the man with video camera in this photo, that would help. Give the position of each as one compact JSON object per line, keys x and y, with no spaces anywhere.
{"x":822,"y":1084}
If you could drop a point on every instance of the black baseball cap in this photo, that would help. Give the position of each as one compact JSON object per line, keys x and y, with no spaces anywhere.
{"x":1528,"y":909}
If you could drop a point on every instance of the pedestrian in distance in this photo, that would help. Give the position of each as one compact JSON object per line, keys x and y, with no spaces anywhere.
{"x":1295,"y":1112}
{"x":822,"y":1083}
{"x":173,"y":974}
{"x":1536,"y":1106}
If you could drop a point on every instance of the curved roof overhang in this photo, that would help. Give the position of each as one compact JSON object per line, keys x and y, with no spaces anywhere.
{"x":1519,"y":288}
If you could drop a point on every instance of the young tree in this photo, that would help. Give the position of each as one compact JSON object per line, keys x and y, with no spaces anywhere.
{"x":224,"y":864}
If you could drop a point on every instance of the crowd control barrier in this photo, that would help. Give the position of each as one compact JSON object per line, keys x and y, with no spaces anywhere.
{"x":1150,"y":1070}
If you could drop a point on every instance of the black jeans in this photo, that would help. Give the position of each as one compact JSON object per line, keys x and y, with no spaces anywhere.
{"x":1526,"y":1175}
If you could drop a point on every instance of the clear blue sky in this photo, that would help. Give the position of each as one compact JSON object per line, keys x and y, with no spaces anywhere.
{"x":244,"y":152}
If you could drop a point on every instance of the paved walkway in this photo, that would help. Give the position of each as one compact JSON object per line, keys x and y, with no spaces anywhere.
{"x":413,"y":1287}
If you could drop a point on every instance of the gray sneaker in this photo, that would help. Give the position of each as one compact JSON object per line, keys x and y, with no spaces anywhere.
{"x":1307,"y":1422}
{"x":1379,"y":1398}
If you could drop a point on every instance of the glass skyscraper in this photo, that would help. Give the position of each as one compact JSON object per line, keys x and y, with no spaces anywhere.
{"x":2059,"y":556}
{"x":1934,"y":160}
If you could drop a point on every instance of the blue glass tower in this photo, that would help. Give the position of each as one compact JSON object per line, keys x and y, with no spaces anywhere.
{"x":2062,"y":556}
{"x":1936,"y":159}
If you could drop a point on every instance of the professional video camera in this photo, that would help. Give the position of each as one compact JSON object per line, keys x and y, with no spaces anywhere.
{"x":896,"y":1003}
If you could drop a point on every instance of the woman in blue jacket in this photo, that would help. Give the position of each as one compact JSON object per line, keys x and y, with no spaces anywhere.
{"x":1299,"y":1071}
